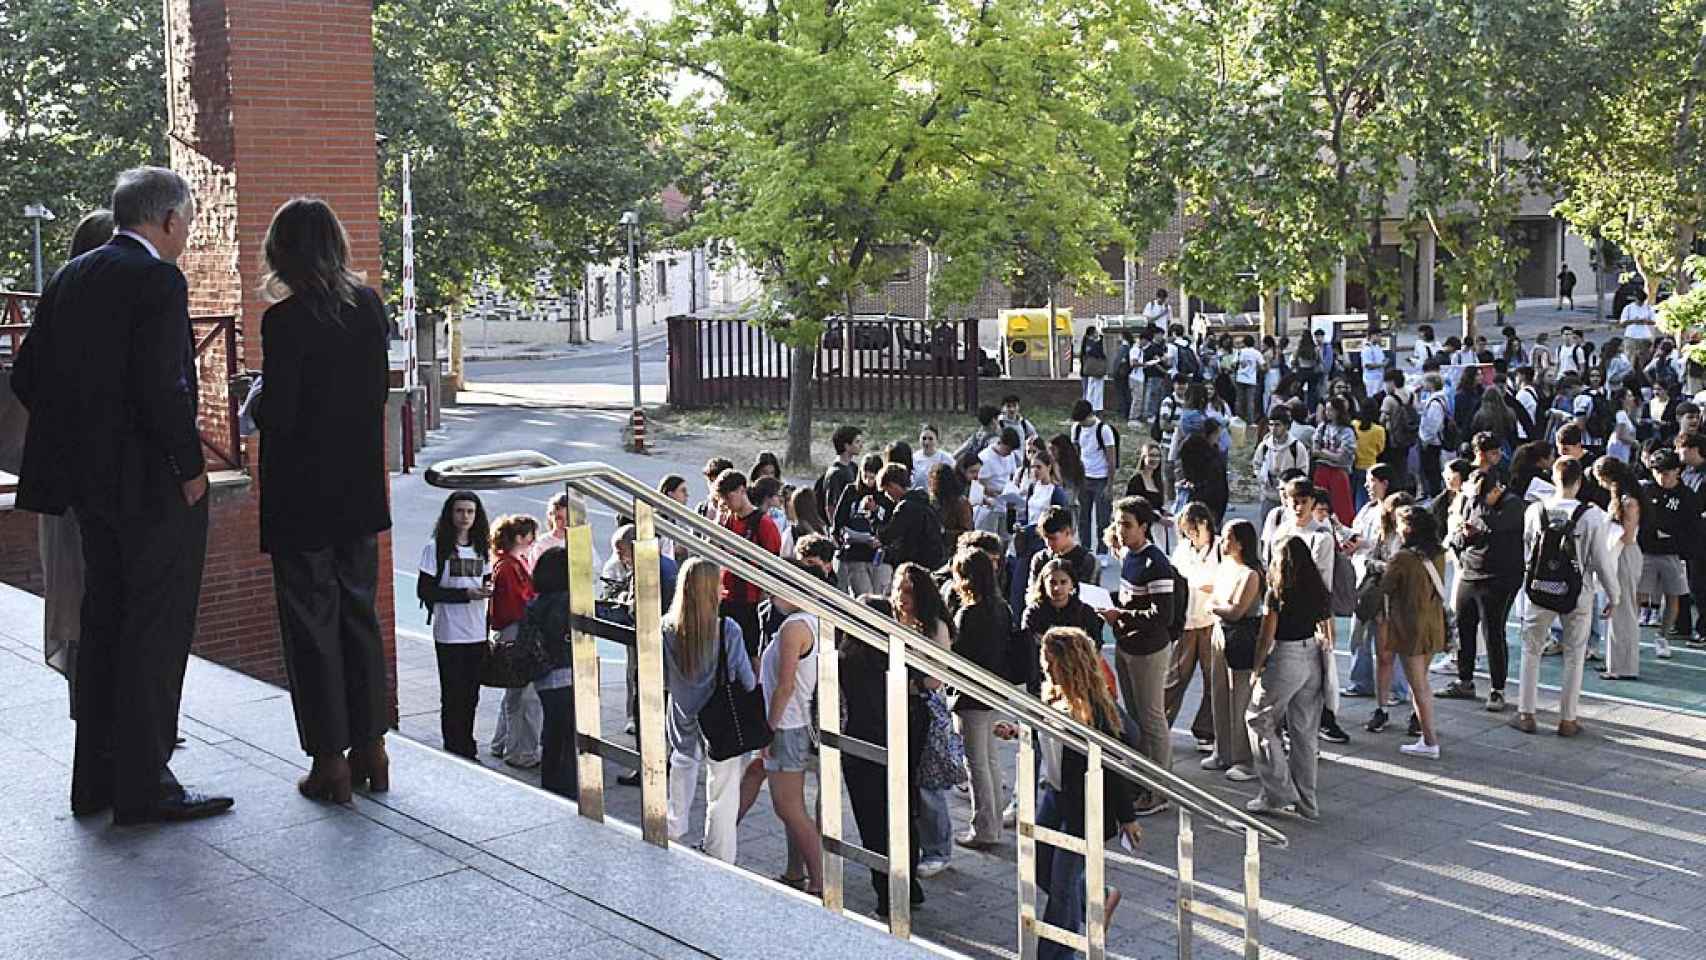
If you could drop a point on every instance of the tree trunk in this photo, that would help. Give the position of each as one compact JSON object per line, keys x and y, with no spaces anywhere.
{"x":1270,"y":314}
{"x":454,"y":386}
{"x":1467,"y":308}
{"x":800,"y":377}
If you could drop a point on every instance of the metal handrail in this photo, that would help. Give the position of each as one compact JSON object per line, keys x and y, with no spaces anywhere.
{"x":527,"y":468}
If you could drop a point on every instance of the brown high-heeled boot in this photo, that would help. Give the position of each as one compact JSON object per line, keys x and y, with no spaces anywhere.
{"x":329,"y":780}
{"x":370,"y":767}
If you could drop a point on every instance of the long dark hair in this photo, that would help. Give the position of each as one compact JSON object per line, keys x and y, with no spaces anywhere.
{"x":444,"y":532}
{"x":95,"y":229}
{"x":307,"y":256}
{"x":1243,"y":533}
{"x":1294,"y":579}
{"x":946,"y":487}
{"x":1066,"y":458}
{"x":926,"y":598}
{"x":974,"y":577}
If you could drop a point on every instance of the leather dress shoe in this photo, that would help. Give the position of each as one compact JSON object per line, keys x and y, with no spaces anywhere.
{"x":188,"y":805}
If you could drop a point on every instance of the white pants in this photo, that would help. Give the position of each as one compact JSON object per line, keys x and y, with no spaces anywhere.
{"x":722,"y":799}
{"x":1536,"y":625}
{"x":1093,"y":387}
{"x":520,"y":720}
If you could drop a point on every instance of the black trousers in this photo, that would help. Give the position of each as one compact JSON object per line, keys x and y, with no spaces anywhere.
{"x":142,"y":585}
{"x":458,"y":694}
{"x":1687,"y":623}
{"x":867,"y":792}
{"x":1484,"y":605}
{"x":1431,"y":480}
{"x":332,"y":649}
{"x":745,"y":614}
{"x":558,"y":768}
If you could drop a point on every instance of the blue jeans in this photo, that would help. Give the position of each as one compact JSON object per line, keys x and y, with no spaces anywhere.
{"x":1362,"y":663}
{"x":1061,"y":873}
{"x":935,"y":826}
{"x":1094,"y":507}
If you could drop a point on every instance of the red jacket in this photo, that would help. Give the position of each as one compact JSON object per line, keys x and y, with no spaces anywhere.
{"x":765,"y":535}
{"x":512,"y":590}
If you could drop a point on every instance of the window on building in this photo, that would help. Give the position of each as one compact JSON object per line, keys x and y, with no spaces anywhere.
{"x":662,"y":268}
{"x":600,"y":303}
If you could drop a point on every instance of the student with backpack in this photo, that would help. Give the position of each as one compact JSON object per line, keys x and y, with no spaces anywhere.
{"x":913,"y":533}
{"x":844,"y":472}
{"x":1403,"y":425}
{"x":1098,"y":446}
{"x":1145,"y":627}
{"x":1436,"y":431}
{"x":1565,"y":541}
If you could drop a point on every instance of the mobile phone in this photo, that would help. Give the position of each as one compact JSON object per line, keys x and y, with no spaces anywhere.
{"x":486,"y":582}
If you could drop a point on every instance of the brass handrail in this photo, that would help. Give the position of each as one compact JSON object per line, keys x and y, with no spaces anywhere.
{"x":526,"y":468}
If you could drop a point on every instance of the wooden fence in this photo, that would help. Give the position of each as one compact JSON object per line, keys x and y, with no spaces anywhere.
{"x":872,"y":364}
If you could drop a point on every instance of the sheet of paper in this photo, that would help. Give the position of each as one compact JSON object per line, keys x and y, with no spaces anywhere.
{"x":1097,"y":598}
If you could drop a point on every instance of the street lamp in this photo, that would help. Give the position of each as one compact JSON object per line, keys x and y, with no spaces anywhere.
{"x":631,"y":220}
{"x":38,"y":212}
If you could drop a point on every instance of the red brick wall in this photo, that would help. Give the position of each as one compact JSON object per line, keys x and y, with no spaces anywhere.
{"x":20,"y":555}
{"x":269,"y":99}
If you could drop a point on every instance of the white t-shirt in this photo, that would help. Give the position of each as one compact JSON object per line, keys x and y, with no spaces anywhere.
{"x":1093,"y":446}
{"x":457,"y":622}
{"x":1158,"y":312}
{"x":1249,"y":366}
{"x":923,"y":463}
{"x":1637,"y":322}
{"x":998,"y":470}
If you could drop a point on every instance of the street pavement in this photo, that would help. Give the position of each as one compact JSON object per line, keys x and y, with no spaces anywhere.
{"x":1510,"y":846}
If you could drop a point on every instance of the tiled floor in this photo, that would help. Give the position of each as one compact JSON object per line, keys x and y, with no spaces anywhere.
{"x":453,"y":863}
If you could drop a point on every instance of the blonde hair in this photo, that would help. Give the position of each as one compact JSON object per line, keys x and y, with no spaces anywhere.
{"x":693,"y":617}
{"x":1074,"y":683}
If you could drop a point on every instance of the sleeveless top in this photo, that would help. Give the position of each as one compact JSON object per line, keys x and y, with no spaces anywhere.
{"x":798,"y":711}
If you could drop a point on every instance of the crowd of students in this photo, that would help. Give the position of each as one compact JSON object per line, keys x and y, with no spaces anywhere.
{"x":997,"y":550}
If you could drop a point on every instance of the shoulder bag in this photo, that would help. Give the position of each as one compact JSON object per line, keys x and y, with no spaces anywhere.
{"x":734,"y":721}
{"x":514,"y":658}
{"x":942,"y":764}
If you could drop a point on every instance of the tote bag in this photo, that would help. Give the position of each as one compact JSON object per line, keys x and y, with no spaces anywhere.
{"x":734,"y":721}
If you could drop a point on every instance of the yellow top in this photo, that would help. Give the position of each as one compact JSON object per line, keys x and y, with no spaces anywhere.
{"x":1370,"y":443}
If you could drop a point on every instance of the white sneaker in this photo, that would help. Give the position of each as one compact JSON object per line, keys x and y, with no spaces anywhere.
{"x":930,"y":868}
{"x":1011,"y":814}
{"x":1662,"y":646}
{"x":1420,"y":748}
{"x":1240,"y":773}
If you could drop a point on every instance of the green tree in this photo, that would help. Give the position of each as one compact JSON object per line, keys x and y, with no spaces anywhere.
{"x":526,"y":145}
{"x":82,"y":97}
{"x":1630,"y":152}
{"x":832,"y":132}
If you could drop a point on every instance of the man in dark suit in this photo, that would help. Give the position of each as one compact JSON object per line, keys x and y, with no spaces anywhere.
{"x":108,"y":376}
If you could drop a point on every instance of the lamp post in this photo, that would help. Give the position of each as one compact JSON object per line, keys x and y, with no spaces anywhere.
{"x":38,"y":212}
{"x":631,"y":220}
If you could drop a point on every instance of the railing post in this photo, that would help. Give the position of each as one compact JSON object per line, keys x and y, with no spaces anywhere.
{"x":1095,"y":874}
{"x":900,"y":793}
{"x":1187,"y":892}
{"x":577,"y":541}
{"x":829,"y":768}
{"x":1025,"y":788}
{"x":648,"y":642}
{"x":233,"y":404}
{"x":1252,"y":895}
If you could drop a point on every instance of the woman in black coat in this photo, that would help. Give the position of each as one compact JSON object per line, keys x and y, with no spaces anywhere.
{"x":321,"y":414}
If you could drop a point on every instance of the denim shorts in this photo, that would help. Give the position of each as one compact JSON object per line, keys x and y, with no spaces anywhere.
{"x":789,"y":750}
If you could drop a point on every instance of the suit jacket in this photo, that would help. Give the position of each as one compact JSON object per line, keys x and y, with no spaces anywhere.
{"x":324,"y":380}
{"x":108,"y":376}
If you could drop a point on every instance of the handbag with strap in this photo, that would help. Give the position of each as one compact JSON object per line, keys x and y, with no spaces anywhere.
{"x":514,"y":658}
{"x":1241,"y":637}
{"x":734,"y":721}
{"x":942,"y":764}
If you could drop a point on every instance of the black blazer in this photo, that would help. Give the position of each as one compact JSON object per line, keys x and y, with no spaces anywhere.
{"x":108,"y":376}
{"x":322,"y":419}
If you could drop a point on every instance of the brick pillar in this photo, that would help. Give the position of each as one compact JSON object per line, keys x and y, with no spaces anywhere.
{"x":267,"y":100}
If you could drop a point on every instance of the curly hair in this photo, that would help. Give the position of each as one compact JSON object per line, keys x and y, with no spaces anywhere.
{"x":510,"y":528}
{"x":1073,"y":682}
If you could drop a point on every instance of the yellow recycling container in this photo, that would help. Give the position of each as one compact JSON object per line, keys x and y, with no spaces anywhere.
{"x":1024,"y":339}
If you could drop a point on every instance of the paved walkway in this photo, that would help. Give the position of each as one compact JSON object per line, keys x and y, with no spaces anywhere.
{"x":452,"y":864}
{"x":1510,"y":846}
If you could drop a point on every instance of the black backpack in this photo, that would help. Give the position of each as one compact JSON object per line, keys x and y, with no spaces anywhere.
{"x":1554,"y":571}
{"x":1077,"y":428}
{"x":1403,"y":426}
{"x":932,"y":550}
{"x":1449,"y":437}
{"x":1188,"y":364}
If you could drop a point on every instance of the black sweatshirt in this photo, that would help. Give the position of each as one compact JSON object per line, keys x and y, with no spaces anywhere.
{"x":1494,"y":551}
